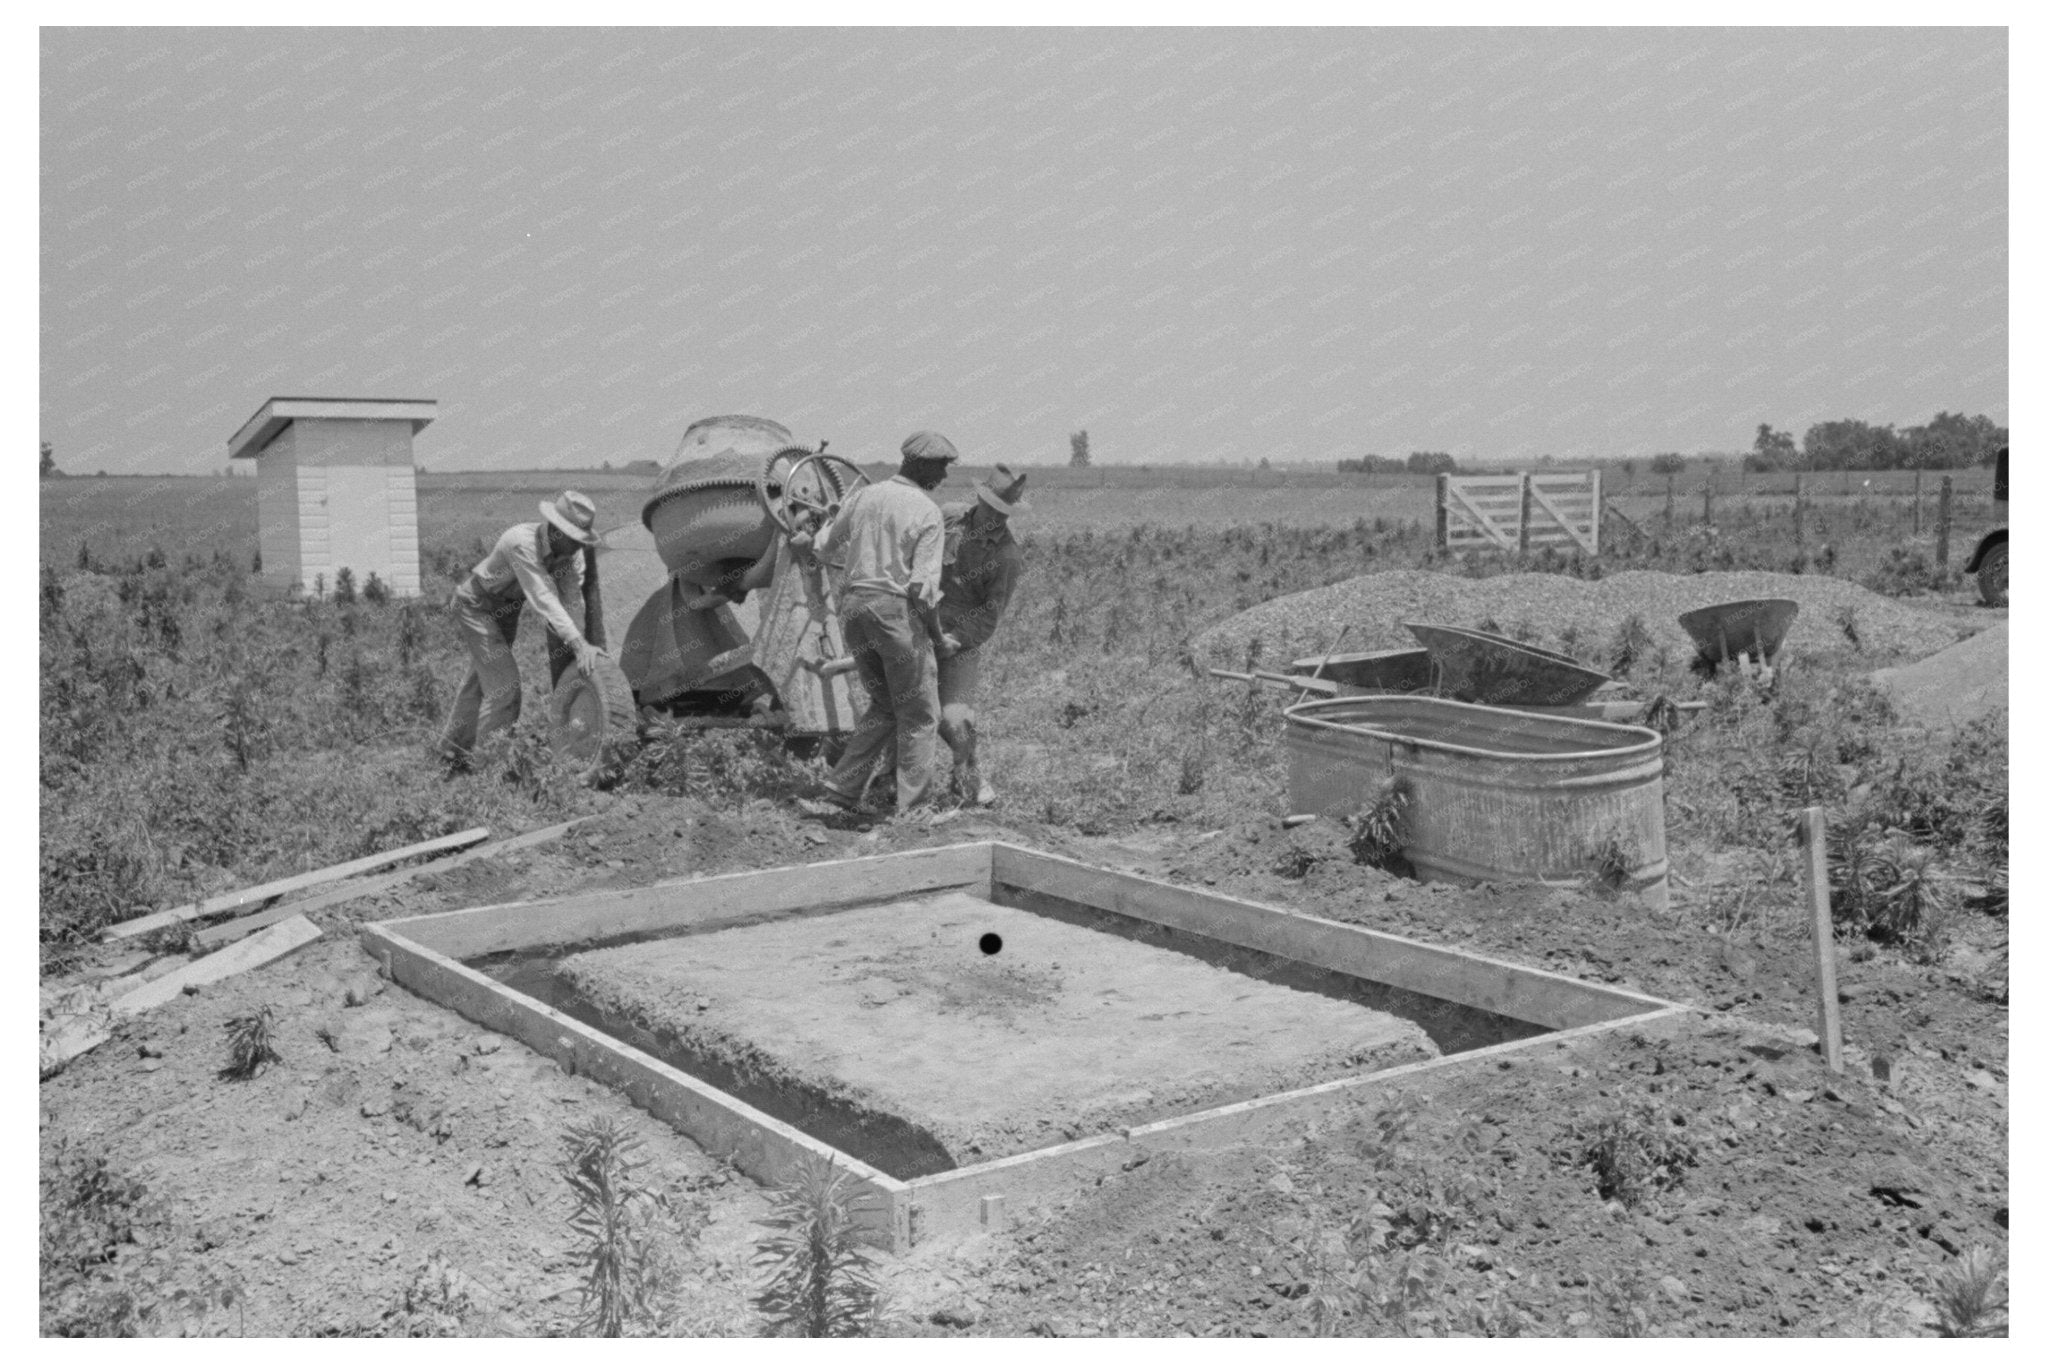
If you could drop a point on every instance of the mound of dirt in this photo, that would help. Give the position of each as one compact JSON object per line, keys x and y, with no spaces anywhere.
{"x":1373,"y":605}
{"x":1947,"y":690}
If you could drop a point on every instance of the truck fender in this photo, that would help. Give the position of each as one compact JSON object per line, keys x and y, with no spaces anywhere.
{"x":1996,"y":537}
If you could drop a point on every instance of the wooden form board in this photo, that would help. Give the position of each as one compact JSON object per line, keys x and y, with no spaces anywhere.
{"x":423,"y":954}
{"x":74,"y":1035}
{"x":723,"y":901}
{"x":1514,"y":512}
{"x":251,"y":896}
{"x":220,"y":934}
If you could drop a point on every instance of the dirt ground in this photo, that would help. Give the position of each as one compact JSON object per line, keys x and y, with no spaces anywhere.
{"x":397,"y":1145}
{"x":1058,"y":1034}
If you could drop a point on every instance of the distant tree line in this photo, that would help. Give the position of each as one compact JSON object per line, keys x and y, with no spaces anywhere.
{"x":1418,"y":462}
{"x":1950,"y":441}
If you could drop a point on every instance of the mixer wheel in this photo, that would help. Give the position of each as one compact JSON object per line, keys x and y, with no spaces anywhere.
{"x":592,"y":719}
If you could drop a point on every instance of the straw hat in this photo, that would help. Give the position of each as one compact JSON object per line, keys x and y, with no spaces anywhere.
{"x":1003,"y":491}
{"x":574,"y":515}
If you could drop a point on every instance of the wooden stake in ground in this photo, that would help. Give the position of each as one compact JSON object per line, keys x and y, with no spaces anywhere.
{"x":1941,"y":522}
{"x":1813,"y":837}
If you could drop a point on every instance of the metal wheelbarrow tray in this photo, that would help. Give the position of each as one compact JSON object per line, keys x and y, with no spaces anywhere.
{"x":1731,"y":629}
{"x":1399,"y":670}
{"x":1496,"y":671}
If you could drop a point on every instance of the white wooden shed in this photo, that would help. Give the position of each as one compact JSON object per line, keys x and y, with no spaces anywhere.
{"x":334,"y":490}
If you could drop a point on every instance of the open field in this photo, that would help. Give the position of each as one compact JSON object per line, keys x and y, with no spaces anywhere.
{"x":400,"y":1170}
{"x":127,"y":516}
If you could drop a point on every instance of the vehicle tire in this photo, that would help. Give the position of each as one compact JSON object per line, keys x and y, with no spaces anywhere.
{"x":591,"y":718}
{"x":1991,"y":575}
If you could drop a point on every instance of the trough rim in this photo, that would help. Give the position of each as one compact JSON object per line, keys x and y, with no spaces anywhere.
{"x":1649,"y":743}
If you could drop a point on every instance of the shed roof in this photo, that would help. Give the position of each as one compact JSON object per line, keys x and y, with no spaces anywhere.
{"x":278,"y":413}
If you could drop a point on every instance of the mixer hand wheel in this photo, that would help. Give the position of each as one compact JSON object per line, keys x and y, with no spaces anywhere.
{"x":803,"y":489}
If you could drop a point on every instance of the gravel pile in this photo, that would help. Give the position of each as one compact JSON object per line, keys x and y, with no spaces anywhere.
{"x":1373,"y":605}
{"x":1947,"y":690}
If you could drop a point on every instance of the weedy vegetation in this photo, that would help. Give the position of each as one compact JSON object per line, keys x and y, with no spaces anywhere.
{"x":820,"y":1276}
{"x":1399,"y":1264}
{"x":1635,"y":1154}
{"x":251,"y":1044}
{"x":628,"y":1235}
{"x":1970,"y":1297}
{"x":116,"y":1260}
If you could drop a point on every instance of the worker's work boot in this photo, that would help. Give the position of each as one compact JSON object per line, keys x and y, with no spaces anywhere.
{"x":826,"y":801}
{"x":969,"y":786}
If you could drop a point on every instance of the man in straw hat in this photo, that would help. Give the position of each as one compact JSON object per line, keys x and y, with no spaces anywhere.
{"x":888,"y":542}
{"x":537,"y":562}
{"x":983,"y":563}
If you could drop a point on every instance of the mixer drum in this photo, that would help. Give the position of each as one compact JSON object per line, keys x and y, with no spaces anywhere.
{"x":704,"y":513}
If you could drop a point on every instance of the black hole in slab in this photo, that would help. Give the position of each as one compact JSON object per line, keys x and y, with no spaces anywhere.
{"x":991,"y":943}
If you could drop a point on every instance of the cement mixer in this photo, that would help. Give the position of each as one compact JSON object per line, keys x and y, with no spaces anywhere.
{"x":726,"y":627}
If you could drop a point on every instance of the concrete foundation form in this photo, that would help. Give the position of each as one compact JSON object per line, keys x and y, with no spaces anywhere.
{"x":1473,"y":1008}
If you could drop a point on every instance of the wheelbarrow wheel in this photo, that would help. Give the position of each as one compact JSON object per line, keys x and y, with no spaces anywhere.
{"x":591,"y":718}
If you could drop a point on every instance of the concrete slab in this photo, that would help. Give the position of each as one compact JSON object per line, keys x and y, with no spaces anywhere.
{"x":898,"y":1011}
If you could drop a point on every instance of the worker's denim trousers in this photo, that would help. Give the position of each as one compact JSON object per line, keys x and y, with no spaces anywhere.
{"x":959,"y":680}
{"x":894,"y":657}
{"x":488,"y":700}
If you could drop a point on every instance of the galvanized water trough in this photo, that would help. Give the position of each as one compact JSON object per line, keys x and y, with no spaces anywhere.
{"x":1493,"y":795}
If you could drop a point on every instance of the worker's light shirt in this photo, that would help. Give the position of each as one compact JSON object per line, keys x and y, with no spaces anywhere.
{"x":514,"y":567}
{"x":888,"y":536}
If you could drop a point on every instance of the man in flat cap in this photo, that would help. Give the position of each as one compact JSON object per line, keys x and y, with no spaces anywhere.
{"x":888,"y":542}
{"x":982,"y":565}
{"x":538,"y":562}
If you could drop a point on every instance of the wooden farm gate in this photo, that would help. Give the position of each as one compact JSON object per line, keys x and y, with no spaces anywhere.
{"x":1515,"y":511}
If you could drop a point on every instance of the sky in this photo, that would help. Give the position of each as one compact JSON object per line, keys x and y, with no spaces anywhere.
{"x":1197,"y":244}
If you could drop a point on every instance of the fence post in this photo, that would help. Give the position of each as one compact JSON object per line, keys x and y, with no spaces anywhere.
{"x":1707,"y":499}
{"x":1813,"y":835}
{"x":1599,"y":511}
{"x":1799,"y":509}
{"x":1670,"y":494}
{"x":1916,"y":503}
{"x":1522,"y":535}
{"x":1941,"y":522}
{"x":1443,"y":511}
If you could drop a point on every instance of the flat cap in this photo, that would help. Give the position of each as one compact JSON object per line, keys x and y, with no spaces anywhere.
{"x":929,"y":445}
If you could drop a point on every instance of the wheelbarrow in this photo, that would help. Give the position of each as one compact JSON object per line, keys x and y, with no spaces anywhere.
{"x":1493,"y":670}
{"x":1735,"y":629}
